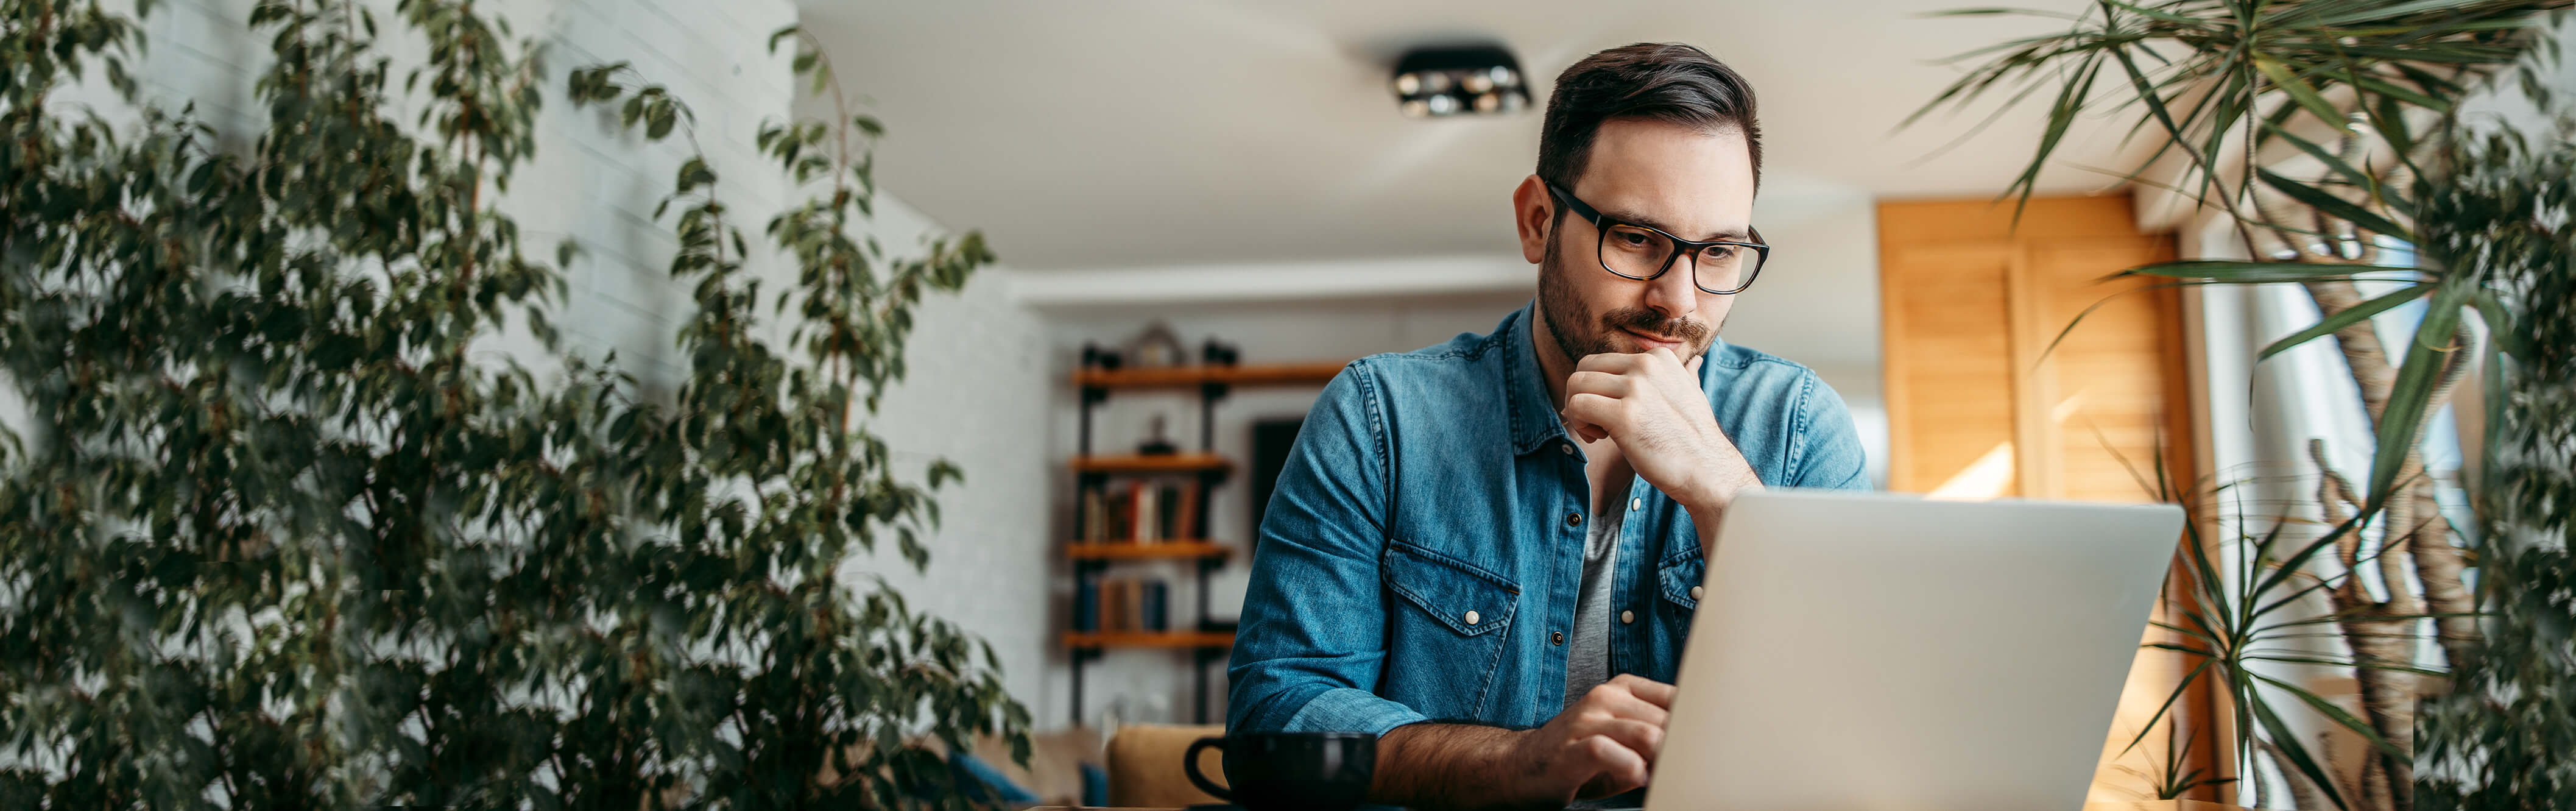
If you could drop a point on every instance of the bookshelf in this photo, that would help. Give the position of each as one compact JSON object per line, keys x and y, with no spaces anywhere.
{"x":1277,"y":374}
{"x":1181,"y":549}
{"x":1158,"y":463}
{"x":1099,"y":542}
{"x":1148,"y":639}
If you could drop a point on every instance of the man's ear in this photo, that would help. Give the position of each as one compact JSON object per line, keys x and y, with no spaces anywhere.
{"x":1533,"y":212}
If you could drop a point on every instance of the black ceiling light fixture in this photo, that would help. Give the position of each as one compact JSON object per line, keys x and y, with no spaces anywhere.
{"x":1460,"y":80}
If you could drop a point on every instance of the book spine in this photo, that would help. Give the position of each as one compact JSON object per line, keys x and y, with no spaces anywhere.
{"x":1185,"y":523}
{"x":1148,"y":513}
{"x":1168,"y":513}
{"x":1086,"y":605}
{"x":1158,"y":603}
{"x":1095,"y":516}
{"x":1119,"y":516}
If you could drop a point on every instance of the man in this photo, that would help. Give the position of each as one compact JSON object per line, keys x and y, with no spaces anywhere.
{"x":1488,"y":551}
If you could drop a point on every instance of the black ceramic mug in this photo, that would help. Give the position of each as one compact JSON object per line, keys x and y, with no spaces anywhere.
{"x":1277,"y":771}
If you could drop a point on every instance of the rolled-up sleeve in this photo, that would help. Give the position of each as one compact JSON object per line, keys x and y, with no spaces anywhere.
{"x":1312,"y":640}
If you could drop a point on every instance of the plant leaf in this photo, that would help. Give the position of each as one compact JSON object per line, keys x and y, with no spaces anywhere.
{"x":2349,"y":316}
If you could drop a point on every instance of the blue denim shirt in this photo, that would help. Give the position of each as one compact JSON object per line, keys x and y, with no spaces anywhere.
{"x":1422,"y":551}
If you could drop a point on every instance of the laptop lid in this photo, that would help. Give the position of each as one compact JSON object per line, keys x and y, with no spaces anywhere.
{"x":1868,"y":652}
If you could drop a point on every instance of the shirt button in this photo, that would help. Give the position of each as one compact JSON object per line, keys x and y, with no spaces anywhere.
{"x":1472,"y":618}
{"x":1694,"y":592}
{"x":1636,"y":504}
{"x":1626,"y":617}
{"x":1557,"y":638}
{"x":1573,"y":519}
{"x":1567,"y":447}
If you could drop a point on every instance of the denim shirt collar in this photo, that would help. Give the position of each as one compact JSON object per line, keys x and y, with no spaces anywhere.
{"x":1533,"y":411}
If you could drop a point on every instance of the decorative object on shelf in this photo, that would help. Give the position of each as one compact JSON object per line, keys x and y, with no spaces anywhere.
{"x":1156,"y":444}
{"x":1094,"y":357}
{"x":1218,"y":353}
{"x":1156,"y":347}
{"x":1459,"y":80}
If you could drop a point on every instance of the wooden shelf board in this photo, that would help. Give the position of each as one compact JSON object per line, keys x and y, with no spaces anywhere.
{"x":1115,"y":550}
{"x":1157,"y":463}
{"x":1264,"y":374}
{"x":1148,"y":639}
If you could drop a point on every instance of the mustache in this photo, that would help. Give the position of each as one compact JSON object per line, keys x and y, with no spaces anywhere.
{"x":1647,"y":321}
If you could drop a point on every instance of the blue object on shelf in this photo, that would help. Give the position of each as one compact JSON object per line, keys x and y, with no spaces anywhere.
{"x":1086,"y":605}
{"x":1158,"y":606}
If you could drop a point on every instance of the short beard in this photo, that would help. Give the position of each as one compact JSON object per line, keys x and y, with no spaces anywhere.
{"x":1558,"y":303}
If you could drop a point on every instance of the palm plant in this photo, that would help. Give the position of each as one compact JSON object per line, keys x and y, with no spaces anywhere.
{"x":2323,"y":131}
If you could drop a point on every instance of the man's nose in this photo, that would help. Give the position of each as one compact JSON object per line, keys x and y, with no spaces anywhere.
{"x":1675,"y":294}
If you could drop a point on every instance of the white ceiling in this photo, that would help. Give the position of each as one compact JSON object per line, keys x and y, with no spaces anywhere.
{"x":1141,"y":133}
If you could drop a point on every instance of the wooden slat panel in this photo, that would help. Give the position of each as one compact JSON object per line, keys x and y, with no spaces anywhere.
{"x":1919,"y":222}
{"x":2116,"y":376}
{"x":1949,"y":375}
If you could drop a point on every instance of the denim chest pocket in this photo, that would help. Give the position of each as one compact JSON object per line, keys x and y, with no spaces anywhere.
{"x":1453,"y":633}
{"x":1678,"y":578}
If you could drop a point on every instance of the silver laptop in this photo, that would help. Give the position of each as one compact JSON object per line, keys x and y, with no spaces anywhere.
{"x":1870,"y":652}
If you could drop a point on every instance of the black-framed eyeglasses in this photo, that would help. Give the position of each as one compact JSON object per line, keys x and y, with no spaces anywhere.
{"x":1641,"y":252}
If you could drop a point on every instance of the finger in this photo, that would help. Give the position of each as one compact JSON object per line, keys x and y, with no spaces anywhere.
{"x":1692,"y":365}
{"x":1645,"y":689}
{"x":1666,"y":353}
{"x":1596,"y":382}
{"x":1613,"y":362}
{"x":1595,"y":410}
{"x":1615,"y":767}
{"x":1617,"y":703}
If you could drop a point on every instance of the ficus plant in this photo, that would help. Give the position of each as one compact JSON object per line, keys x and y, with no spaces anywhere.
{"x":2330,"y":136}
{"x":280,"y":528}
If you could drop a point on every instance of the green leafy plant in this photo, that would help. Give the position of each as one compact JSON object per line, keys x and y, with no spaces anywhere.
{"x":277,"y":530}
{"x":2326,"y":132}
{"x":2504,"y":737}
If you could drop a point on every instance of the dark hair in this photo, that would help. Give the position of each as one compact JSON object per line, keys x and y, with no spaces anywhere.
{"x":1668,"y":82}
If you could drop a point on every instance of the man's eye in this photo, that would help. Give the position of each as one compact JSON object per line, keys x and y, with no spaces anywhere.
{"x":1632,"y":238}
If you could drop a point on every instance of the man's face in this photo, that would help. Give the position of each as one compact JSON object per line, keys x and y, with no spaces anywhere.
{"x":1693,"y":184}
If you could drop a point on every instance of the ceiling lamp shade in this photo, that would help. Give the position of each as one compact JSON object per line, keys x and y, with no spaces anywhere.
{"x":1459,"y":80}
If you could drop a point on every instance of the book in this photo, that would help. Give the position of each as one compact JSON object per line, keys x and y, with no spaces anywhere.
{"x":1095,"y":516}
{"x":1118,"y":520}
{"x":1110,"y":590}
{"x":1086,"y":605}
{"x":1167,"y":512}
{"x":1156,"y":606}
{"x":1185,"y":522}
{"x":1148,"y":513}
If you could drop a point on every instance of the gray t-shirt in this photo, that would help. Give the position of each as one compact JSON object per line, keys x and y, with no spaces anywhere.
{"x":1587,"y":653}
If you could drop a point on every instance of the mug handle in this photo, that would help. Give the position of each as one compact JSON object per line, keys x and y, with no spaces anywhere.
{"x":1190,"y":764}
